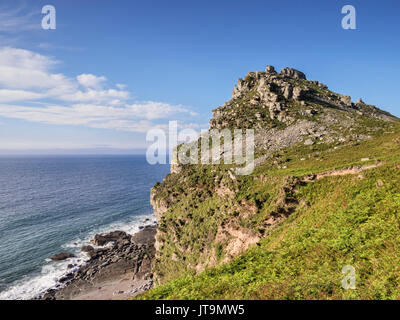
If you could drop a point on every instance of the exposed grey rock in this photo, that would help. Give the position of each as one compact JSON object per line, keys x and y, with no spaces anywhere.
{"x":270,"y":69}
{"x":346,"y":100}
{"x":293,"y":73}
{"x":287,"y":91}
{"x":298,"y":93}
{"x":308,"y":142}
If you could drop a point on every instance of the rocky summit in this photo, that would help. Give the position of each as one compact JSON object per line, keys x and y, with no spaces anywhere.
{"x":324,"y":194}
{"x":285,"y":108}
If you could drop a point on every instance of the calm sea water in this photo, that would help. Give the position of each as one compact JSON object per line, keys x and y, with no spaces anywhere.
{"x":56,"y":204}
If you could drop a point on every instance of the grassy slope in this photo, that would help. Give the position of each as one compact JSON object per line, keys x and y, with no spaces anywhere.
{"x":341,"y":220}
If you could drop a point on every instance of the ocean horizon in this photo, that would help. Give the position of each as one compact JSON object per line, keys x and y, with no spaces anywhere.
{"x":57,"y":203}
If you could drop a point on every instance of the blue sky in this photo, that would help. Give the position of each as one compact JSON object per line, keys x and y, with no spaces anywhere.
{"x":114,"y":69}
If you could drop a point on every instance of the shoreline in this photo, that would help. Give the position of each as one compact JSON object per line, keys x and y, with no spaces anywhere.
{"x":119,"y":268}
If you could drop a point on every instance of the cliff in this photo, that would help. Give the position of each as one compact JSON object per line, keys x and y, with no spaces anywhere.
{"x":326,"y":178}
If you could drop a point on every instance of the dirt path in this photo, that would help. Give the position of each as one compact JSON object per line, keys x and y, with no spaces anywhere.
{"x":341,"y":172}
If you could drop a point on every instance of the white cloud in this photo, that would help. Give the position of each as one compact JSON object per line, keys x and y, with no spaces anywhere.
{"x":18,"y":19}
{"x":18,"y":95}
{"x":25,"y":59}
{"x":96,"y":96}
{"x":83,"y":100}
{"x":24,"y":69}
{"x":121,"y":86}
{"x":19,"y":78}
{"x":91,"y":81}
{"x":134,"y":118}
{"x":52,"y":46}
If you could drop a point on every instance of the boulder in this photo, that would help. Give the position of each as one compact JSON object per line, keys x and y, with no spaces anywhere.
{"x":346,"y":100}
{"x":62,"y":256}
{"x":103,"y":239}
{"x":270,"y":69}
{"x":293,"y":73}
{"x":87,"y":248}
{"x":92,"y":254}
{"x":308,"y":142}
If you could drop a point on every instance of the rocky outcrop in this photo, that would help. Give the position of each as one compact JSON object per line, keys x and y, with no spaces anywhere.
{"x":270,"y":69}
{"x":266,"y":100}
{"x":159,"y":205}
{"x":293,"y":73}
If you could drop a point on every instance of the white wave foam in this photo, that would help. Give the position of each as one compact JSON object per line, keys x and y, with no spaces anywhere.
{"x":52,"y":272}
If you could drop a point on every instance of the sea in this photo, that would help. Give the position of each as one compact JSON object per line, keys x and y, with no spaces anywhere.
{"x":53,"y":204}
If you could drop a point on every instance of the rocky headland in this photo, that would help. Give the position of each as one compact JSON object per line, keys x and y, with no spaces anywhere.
{"x":208,"y":215}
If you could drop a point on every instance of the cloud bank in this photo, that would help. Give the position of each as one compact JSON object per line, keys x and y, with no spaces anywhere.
{"x":30,"y":90}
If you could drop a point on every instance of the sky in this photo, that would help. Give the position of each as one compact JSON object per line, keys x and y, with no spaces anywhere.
{"x":112,"y":70}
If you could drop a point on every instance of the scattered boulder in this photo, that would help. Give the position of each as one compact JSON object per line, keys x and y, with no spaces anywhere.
{"x":97,"y":253}
{"x":293,"y":73}
{"x":103,"y":239}
{"x":62,"y":256}
{"x":309,"y":142}
{"x":87,"y":248}
{"x":270,"y":69}
{"x":146,"y":236}
{"x":346,"y":100}
{"x":130,"y":254}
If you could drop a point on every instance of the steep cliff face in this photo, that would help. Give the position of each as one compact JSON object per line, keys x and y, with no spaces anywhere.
{"x":208,"y":215}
